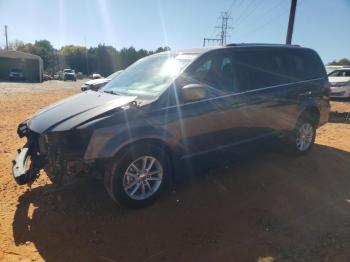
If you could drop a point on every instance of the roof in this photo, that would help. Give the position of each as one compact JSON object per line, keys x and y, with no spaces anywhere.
{"x":261,"y":44}
{"x":205,"y":49}
{"x":199,"y":50}
{"x":188,"y":51}
{"x":18,"y":54}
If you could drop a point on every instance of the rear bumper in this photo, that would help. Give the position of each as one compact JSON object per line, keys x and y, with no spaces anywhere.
{"x":69,"y":77}
{"x":339,"y":92}
{"x":342,"y":94}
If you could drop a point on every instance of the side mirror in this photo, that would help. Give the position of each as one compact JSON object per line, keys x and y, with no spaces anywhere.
{"x":194,"y":92}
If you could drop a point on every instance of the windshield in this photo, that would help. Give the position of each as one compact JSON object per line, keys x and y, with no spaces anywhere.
{"x":340,"y":73}
{"x":111,"y":76}
{"x":150,"y":76}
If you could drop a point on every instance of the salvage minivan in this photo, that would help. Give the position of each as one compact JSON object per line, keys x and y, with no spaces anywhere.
{"x":173,"y":106}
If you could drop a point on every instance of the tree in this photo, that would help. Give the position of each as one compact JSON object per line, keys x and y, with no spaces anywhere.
{"x":343,"y":61}
{"x":162,"y":49}
{"x":102,"y":59}
{"x":128,"y":56}
{"x":45,"y":50}
{"x":74,"y":57}
{"x":15,"y":45}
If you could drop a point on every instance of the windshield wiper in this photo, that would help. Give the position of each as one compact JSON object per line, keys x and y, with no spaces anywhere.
{"x":112,"y":92}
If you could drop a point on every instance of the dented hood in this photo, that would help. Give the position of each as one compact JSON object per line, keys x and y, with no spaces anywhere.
{"x":72,"y":111}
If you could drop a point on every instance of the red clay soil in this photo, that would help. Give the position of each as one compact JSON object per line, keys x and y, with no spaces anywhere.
{"x":267,"y":207}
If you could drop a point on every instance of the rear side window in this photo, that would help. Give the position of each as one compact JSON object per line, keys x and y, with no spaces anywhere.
{"x":257,"y":69}
{"x":304,"y":64}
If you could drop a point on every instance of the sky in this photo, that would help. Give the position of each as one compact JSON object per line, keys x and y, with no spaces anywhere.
{"x":323,"y":25}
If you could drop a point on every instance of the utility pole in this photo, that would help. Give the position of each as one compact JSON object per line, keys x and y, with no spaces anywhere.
{"x":224,"y":26}
{"x":225,"y":17}
{"x":7,"y":44}
{"x":293,"y":7}
{"x":207,"y":41}
{"x":86,"y":57}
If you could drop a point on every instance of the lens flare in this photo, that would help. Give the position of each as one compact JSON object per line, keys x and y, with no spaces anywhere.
{"x":171,"y":68}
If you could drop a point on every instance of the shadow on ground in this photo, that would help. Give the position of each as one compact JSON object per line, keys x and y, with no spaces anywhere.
{"x":234,"y":209}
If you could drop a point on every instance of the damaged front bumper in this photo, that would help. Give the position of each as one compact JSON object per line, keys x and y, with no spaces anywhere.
{"x":60,"y":154}
{"x":28,"y":162}
{"x":24,"y":170}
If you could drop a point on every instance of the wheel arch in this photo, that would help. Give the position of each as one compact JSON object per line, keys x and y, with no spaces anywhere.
{"x":312,"y":113}
{"x":108,"y":163}
{"x":163,"y":145}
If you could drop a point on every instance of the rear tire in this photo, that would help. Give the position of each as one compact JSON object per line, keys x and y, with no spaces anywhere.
{"x":303,"y":136}
{"x":137,"y":177}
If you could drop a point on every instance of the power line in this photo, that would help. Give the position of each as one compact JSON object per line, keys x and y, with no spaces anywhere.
{"x":248,"y":7}
{"x":214,"y":29}
{"x":240,"y":3}
{"x":250,"y":13}
{"x":233,"y":4}
{"x":268,"y":21}
{"x":272,"y":19}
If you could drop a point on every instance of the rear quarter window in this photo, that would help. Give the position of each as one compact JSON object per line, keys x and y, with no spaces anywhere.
{"x":304,"y":64}
{"x":260,"y":68}
{"x":266,"y":67}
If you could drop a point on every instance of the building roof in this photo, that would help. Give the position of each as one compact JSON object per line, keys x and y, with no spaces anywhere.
{"x":18,"y":54}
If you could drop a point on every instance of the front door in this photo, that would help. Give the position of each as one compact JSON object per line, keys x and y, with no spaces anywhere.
{"x":210,"y":124}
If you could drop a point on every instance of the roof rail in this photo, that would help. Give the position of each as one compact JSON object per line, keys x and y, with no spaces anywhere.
{"x":254,"y":44}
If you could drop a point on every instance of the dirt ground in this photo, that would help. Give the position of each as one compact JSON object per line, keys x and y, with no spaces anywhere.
{"x":265,"y":207}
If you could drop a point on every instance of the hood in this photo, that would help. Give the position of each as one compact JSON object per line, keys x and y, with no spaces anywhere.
{"x":338,"y":79}
{"x":97,"y":81}
{"x":72,"y":111}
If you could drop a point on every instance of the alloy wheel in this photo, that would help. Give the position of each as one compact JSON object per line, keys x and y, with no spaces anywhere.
{"x":304,"y":137}
{"x":143,"y":178}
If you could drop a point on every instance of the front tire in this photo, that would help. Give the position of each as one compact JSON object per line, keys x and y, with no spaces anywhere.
{"x":137,"y":177}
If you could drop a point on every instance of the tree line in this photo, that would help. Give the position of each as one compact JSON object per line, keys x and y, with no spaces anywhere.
{"x":103,"y":59}
{"x":342,"y":62}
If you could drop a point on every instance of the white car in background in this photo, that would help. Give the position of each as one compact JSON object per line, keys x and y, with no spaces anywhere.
{"x":340,"y":83}
{"x":96,"y":84}
{"x":331,"y":68}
